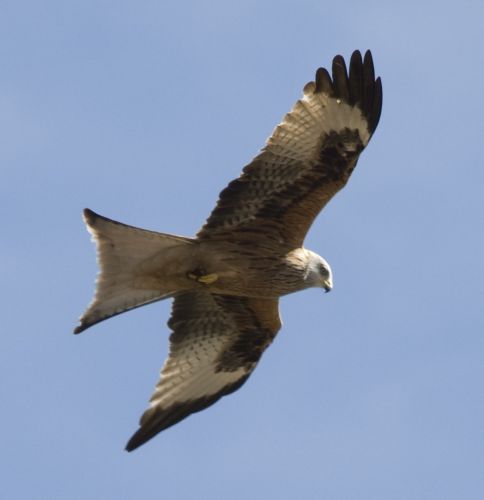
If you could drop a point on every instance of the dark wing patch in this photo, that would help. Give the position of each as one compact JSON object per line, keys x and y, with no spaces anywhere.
{"x":216,"y":343}
{"x":308,"y":158}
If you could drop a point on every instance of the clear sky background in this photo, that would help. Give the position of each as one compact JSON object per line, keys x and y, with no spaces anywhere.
{"x":143,"y":111}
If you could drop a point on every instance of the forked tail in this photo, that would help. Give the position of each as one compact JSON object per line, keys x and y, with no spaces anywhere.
{"x":121,"y":250}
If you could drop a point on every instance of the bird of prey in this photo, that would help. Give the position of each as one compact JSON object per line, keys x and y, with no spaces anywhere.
{"x":227,"y":280}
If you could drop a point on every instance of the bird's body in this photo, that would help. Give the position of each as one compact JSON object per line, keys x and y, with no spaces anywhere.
{"x":226,"y":281}
{"x":254,"y":272}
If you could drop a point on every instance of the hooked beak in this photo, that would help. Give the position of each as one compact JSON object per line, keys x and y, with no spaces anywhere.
{"x":327,"y":285}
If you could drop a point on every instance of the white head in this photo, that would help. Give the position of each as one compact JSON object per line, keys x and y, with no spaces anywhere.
{"x":318,"y":272}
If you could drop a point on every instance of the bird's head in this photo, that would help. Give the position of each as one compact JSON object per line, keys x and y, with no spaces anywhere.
{"x":318,"y":272}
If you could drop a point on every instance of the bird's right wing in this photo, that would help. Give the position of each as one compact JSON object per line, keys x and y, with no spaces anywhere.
{"x":216,"y":343}
{"x":306,"y":161}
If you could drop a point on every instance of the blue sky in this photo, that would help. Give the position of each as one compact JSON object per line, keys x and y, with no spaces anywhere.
{"x":143,"y":111}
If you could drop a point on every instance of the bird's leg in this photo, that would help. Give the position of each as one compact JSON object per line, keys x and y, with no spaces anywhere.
{"x":200,"y":276}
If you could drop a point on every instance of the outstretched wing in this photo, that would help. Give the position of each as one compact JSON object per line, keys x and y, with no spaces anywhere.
{"x":216,"y":343}
{"x":307,"y":160}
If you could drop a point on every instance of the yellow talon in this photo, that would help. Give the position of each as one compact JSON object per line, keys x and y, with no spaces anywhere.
{"x":206,"y":279}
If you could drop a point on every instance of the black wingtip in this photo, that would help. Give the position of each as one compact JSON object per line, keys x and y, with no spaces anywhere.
{"x":140,"y":437}
{"x":79,"y":329}
{"x":356,"y":79}
{"x":323,"y":81}
{"x":365,"y":91}
{"x":130,"y":446}
{"x":356,"y":87}
{"x":155,"y":424}
{"x":340,"y":78}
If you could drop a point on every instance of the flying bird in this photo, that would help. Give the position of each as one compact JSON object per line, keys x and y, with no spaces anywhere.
{"x":227,"y":280}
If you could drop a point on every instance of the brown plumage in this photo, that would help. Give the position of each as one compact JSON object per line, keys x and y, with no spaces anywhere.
{"x":226,"y":281}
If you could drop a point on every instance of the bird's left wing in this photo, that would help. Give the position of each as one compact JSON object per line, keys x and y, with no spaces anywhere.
{"x":216,"y":343}
{"x":306,"y":161}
